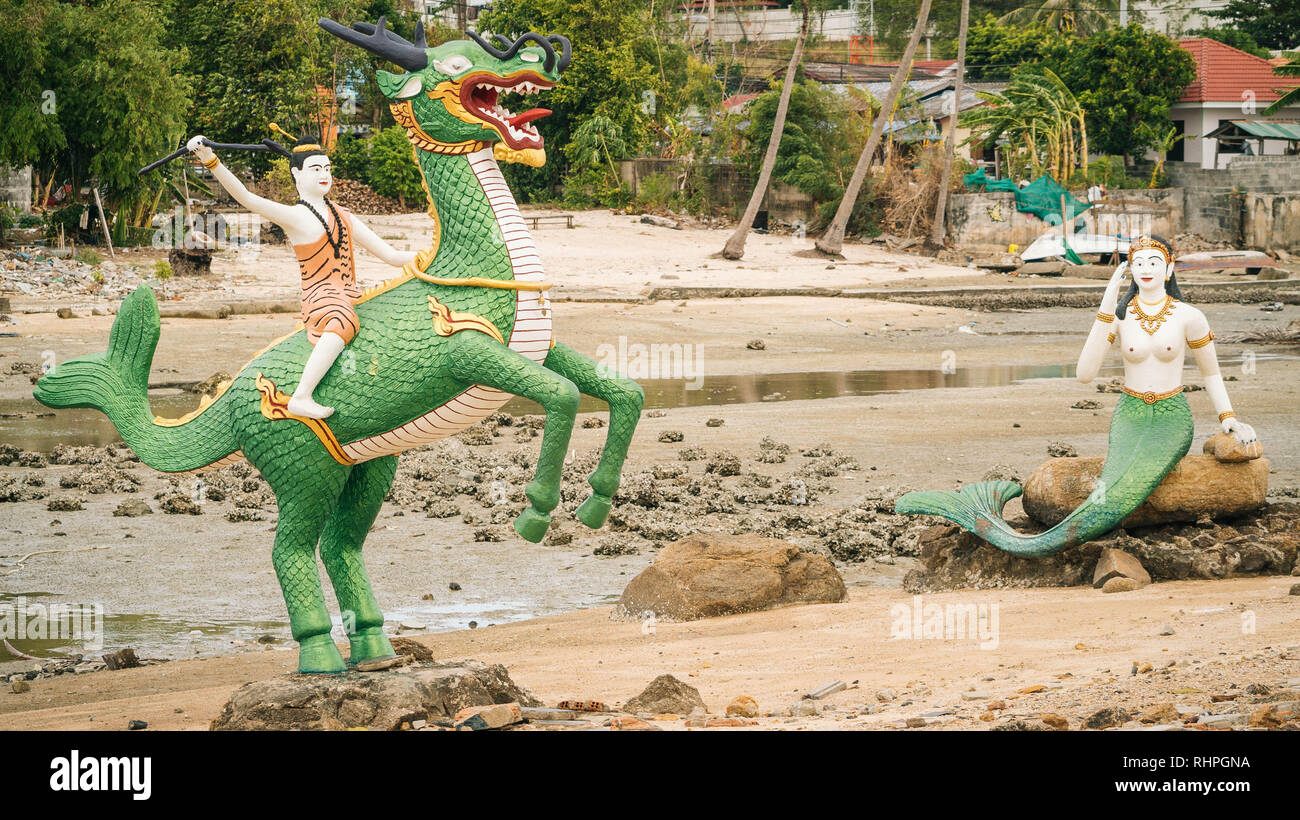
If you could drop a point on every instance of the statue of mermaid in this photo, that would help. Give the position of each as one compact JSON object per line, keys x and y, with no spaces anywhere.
{"x":1152,"y":426}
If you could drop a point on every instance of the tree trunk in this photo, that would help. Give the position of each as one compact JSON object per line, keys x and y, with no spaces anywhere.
{"x":939,"y":230}
{"x":833,"y":239}
{"x":735,"y":247}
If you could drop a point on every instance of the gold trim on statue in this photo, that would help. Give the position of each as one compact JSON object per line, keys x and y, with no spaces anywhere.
{"x":1151,"y":398}
{"x":1201,"y":342}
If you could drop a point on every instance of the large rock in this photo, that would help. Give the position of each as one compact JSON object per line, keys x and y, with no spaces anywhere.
{"x":666,"y":695}
{"x":1261,"y":542}
{"x":1198,"y":486}
{"x":433,"y":692}
{"x":710,"y":574}
{"x":1227,"y":449}
{"x":1116,"y":563}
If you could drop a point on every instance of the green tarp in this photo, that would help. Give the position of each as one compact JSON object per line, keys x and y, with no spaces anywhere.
{"x":1042,"y":197}
{"x":979,"y":181}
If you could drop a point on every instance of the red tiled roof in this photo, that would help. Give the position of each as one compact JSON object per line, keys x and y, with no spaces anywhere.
{"x":736,"y":102}
{"x":1225,"y":74}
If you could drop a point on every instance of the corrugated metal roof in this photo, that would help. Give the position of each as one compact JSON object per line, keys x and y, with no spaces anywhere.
{"x":1273,"y":130}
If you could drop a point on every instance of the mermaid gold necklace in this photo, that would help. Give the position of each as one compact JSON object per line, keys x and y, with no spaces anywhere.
{"x":1151,"y":322}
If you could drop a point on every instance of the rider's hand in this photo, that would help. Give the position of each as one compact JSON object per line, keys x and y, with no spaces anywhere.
{"x":1117,"y":280}
{"x":198,"y":149}
{"x":1240,"y":430}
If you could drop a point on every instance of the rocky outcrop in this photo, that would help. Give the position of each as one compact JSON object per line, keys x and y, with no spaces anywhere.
{"x":711,"y":574}
{"x":666,"y":695}
{"x":432,"y":692}
{"x":1263,"y":542}
{"x":1199,"y":486}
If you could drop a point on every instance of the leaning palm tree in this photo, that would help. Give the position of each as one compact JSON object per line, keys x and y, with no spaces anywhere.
{"x":1290,"y":69}
{"x":1084,"y":17}
{"x":735,"y":247}
{"x":831,"y":241}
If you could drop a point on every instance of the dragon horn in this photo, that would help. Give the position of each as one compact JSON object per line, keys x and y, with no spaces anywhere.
{"x":379,"y":42}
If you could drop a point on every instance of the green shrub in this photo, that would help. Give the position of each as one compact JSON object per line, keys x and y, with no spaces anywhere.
{"x":89,"y":256}
{"x":350,"y":158}
{"x":591,"y":187}
{"x":162,"y":269}
{"x":393,"y":172}
{"x":278,"y":183}
{"x":69,"y":217}
{"x":657,"y":192}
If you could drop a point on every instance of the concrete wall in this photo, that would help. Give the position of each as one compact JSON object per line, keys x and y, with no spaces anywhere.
{"x":16,"y":187}
{"x":1251,"y":202}
{"x":991,"y":219}
{"x":1271,"y":221}
{"x":770,"y":24}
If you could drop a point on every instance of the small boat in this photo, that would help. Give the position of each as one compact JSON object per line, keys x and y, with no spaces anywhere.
{"x":1252,"y":261}
{"x":1051,"y":246}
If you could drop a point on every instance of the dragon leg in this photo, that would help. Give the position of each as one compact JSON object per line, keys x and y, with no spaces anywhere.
{"x":306,"y":497}
{"x":625,"y":398}
{"x":479,"y":359}
{"x":340,"y":551}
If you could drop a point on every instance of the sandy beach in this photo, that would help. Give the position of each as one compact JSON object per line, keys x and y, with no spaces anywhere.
{"x":861,"y":384}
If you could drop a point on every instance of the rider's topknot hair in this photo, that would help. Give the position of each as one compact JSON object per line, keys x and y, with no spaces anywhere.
{"x":306,"y":146}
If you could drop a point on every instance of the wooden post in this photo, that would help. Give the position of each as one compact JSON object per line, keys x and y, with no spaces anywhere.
{"x":103,"y":223}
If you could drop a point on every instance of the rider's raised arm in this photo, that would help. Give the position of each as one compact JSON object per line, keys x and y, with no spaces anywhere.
{"x":1102,"y":335}
{"x":372,"y":242}
{"x":277,"y":212}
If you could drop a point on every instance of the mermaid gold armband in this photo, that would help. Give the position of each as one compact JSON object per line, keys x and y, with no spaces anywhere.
{"x":1110,"y":338}
{"x":1225,"y":415}
{"x":1106,"y":317}
{"x":210,"y":163}
{"x":1201,"y":342}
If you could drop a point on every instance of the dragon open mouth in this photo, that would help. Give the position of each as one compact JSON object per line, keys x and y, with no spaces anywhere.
{"x":479,"y":94}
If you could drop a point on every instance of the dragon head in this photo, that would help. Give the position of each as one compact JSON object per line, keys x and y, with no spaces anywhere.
{"x":449,"y":97}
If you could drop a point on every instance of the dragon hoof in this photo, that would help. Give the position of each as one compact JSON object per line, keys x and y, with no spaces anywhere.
{"x":532,"y":525}
{"x":317,"y":655}
{"x":594,"y":511}
{"x":370,"y":644}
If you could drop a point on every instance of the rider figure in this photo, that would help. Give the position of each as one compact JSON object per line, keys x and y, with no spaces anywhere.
{"x":321,"y":234}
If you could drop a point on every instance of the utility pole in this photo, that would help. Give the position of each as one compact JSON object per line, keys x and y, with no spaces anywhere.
{"x":1123,"y":13}
{"x":708,"y":41}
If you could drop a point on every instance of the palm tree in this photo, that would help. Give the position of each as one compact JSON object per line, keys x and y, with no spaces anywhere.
{"x":1162,"y":143}
{"x":832,"y":240}
{"x":1291,"y":69}
{"x":938,"y":229}
{"x":1083,"y":17}
{"x":1041,"y":121}
{"x":735,"y":247}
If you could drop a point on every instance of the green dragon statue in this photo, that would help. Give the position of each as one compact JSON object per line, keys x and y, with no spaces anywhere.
{"x":440,"y":347}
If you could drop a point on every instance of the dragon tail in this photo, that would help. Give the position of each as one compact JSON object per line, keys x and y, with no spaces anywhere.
{"x":1146,"y":442}
{"x":116,"y":382}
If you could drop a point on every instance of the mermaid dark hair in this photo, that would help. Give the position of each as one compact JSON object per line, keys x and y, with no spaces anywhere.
{"x":1171,"y":284}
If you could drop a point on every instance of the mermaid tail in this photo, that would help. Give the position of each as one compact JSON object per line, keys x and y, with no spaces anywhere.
{"x":1146,"y":442}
